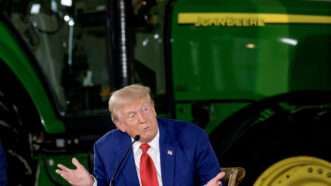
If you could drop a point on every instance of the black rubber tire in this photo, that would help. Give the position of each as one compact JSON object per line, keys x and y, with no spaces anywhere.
{"x":274,"y":129}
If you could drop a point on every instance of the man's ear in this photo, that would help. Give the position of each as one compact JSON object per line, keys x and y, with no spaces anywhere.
{"x":154,"y":111}
{"x":120,"y":126}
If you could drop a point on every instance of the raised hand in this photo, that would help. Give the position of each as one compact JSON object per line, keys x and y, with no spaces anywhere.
{"x":76,"y":177}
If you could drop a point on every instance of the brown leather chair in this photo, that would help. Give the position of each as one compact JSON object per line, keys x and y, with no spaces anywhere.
{"x":233,"y":175}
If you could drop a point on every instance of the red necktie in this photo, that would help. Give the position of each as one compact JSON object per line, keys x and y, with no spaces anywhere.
{"x":148,"y":173}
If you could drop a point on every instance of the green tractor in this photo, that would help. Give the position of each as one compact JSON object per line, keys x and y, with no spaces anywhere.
{"x":258,"y":74}
{"x":255,"y":74}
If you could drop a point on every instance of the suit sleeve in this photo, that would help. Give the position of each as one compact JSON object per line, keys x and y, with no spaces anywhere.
{"x":3,"y":167}
{"x":99,"y":169}
{"x":207,"y":163}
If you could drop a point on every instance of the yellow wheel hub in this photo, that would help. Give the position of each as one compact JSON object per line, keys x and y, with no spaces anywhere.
{"x":297,"y":171}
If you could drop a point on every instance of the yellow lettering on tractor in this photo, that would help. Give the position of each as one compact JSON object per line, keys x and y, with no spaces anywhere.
{"x":248,"y":19}
{"x":229,"y":21}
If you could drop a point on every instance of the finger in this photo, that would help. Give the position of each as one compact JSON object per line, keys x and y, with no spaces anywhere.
{"x":220,"y":175}
{"x":77,"y":163}
{"x":62,"y":174}
{"x":68,"y":178}
{"x":63,"y":168}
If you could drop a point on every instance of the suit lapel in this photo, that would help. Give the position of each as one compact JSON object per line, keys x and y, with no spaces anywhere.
{"x":167,"y":154}
{"x":131,"y":177}
{"x":129,"y":172}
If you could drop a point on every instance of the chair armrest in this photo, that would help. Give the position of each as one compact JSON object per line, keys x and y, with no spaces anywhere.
{"x":234,"y":175}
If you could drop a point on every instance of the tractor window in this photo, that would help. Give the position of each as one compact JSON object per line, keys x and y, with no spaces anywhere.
{"x":69,"y":43}
{"x":70,"y":47}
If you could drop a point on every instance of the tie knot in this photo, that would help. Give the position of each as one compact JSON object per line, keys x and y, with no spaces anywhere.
{"x":144,"y":147}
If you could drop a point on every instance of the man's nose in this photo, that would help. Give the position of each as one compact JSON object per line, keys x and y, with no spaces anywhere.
{"x":141,"y":117}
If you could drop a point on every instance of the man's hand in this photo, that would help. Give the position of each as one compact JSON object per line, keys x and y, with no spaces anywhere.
{"x":216,"y":181}
{"x":76,"y":177}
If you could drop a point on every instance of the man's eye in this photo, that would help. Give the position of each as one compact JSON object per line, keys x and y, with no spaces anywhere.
{"x":131,"y":115}
{"x":145,"y":109}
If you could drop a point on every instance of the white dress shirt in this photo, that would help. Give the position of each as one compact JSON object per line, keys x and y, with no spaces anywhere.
{"x":153,"y":152}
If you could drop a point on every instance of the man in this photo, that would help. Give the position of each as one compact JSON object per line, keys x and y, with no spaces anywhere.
{"x":178,"y":153}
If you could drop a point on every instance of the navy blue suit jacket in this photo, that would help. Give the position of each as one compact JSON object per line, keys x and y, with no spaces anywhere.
{"x":3,"y":168}
{"x":187,"y":158}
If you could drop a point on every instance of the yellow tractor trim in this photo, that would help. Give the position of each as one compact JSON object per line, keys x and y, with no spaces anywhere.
{"x":297,"y":171}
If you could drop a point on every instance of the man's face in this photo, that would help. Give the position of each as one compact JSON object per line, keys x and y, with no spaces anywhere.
{"x":138,"y":118}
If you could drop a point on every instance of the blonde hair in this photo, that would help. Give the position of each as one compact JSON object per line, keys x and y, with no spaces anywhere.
{"x":125,"y":95}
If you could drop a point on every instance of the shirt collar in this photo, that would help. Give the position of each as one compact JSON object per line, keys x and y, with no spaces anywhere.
{"x":153,"y":144}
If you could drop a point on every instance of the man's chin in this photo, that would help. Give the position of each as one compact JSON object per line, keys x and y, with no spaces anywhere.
{"x":145,"y":139}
